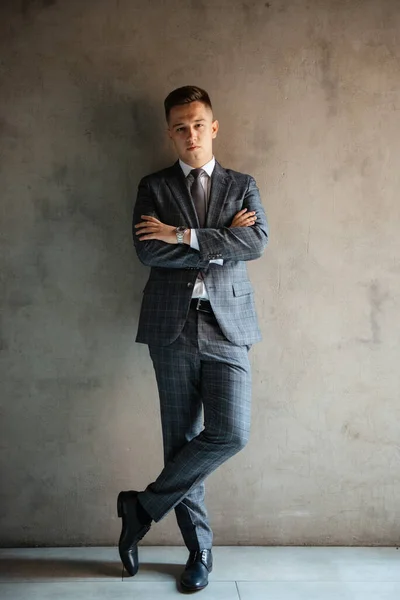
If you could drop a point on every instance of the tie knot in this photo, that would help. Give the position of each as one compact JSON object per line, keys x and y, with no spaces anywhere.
{"x":196,"y":172}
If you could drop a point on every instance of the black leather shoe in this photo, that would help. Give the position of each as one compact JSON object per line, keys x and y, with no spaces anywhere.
{"x":132,"y":530}
{"x":195,"y":575}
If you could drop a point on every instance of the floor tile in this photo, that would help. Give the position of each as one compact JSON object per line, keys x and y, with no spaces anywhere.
{"x":59,"y":564}
{"x":253,"y":563}
{"x":95,"y":590}
{"x":274,"y":590}
{"x":88,"y":564}
{"x":368,"y":564}
{"x":163,"y":564}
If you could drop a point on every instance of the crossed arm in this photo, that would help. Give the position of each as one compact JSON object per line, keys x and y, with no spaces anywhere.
{"x":151,"y":228}
{"x":156,"y":242}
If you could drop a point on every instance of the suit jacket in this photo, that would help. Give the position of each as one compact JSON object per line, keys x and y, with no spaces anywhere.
{"x":174,"y":267}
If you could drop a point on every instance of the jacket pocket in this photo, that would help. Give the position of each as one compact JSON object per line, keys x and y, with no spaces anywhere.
{"x":241,"y":288}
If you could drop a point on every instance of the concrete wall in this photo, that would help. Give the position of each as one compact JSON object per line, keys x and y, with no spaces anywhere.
{"x":307,"y":94}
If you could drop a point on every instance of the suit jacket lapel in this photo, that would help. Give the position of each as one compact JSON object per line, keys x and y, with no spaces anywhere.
{"x":220,"y":185}
{"x":180,"y":194}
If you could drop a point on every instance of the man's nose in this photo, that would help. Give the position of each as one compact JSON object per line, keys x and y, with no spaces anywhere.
{"x":191,"y":133}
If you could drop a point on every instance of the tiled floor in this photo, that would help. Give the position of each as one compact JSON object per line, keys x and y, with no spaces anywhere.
{"x":240,"y":573}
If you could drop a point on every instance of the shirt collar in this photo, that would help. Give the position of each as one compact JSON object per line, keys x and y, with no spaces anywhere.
{"x":208,"y":167}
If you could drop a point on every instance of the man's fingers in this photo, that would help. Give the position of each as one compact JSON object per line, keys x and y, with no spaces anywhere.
{"x":148,"y":220}
{"x":147,"y":229}
{"x":144,"y":224}
{"x":147,"y":232}
{"x":244,"y":210}
{"x":242,"y":214}
{"x":246,"y":222}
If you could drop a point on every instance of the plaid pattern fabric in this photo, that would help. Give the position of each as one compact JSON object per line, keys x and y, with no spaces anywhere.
{"x":174,"y":268}
{"x":204,"y":384}
{"x":200,"y":360}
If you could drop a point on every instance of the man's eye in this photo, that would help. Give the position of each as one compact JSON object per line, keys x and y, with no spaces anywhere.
{"x":199,"y":125}
{"x":179,"y":129}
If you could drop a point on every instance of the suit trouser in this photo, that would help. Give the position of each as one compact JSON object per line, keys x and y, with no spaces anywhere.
{"x":201,"y":375}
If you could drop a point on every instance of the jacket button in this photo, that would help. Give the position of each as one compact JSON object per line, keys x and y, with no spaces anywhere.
{"x":190,"y":285}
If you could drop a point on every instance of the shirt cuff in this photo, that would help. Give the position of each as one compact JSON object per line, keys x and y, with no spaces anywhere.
{"x":194,"y":242}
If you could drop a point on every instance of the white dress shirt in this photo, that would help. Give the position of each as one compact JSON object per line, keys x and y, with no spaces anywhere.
{"x":199,"y":290}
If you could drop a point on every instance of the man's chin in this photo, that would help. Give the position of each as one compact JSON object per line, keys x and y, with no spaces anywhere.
{"x":193,"y":156}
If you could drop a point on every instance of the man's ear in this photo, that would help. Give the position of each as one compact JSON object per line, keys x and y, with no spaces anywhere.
{"x":169,"y":133}
{"x":214,"y":128}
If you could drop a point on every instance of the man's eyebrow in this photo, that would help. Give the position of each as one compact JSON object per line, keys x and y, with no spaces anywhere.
{"x":180,"y":124}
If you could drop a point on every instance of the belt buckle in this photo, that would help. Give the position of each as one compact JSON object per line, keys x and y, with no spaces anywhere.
{"x":198,"y":305}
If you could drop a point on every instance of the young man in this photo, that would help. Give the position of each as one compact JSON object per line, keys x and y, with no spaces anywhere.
{"x":195,"y":224}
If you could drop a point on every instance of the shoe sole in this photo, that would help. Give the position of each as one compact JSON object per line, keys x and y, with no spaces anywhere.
{"x":194,"y":589}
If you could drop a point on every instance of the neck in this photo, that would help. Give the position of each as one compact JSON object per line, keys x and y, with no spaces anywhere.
{"x":196,"y":164}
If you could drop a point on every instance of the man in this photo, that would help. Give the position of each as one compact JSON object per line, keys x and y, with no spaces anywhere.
{"x":195,"y":224}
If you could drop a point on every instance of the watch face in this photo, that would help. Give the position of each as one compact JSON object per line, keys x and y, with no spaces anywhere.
{"x":180,"y":229}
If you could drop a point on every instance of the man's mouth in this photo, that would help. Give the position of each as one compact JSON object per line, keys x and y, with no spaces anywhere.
{"x":193,"y":147}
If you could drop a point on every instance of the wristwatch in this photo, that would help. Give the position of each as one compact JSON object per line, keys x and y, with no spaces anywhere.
{"x":180,"y":232}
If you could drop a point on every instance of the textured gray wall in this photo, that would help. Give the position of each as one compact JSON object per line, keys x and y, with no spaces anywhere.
{"x":307,"y":94}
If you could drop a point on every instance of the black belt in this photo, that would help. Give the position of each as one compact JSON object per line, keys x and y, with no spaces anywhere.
{"x":201,"y":305}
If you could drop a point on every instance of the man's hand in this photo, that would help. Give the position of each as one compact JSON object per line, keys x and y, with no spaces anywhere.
{"x":244,"y":218}
{"x":152,"y":229}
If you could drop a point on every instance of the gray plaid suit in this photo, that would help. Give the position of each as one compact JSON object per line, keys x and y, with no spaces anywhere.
{"x":200,"y":359}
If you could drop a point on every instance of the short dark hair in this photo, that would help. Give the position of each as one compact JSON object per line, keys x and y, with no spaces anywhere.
{"x":185,"y":95}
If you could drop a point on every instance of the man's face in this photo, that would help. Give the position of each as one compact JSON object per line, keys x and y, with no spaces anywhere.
{"x":192,"y":130}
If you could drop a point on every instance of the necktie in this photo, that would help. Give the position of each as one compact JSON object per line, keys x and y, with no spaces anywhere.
{"x":198,"y":195}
